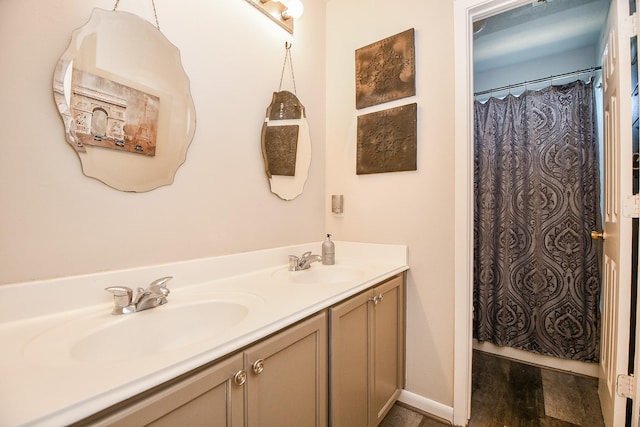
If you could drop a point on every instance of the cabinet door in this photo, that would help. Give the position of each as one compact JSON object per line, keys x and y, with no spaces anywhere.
{"x":350,"y":366}
{"x":209,"y":398}
{"x":287,"y":384}
{"x":388,"y":347}
{"x":367,"y":355}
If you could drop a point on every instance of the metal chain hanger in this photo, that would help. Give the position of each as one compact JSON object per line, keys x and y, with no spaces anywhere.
{"x":155,"y":13}
{"x":287,"y":55}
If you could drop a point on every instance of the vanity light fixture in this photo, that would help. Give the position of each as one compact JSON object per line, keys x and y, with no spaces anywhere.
{"x":282,"y":12}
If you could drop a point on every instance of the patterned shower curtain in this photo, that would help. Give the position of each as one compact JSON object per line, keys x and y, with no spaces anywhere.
{"x":536,"y":269}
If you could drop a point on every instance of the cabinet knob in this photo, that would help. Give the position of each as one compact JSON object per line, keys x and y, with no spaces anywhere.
{"x":258,"y":366}
{"x":240,"y":377}
{"x":376,"y":299}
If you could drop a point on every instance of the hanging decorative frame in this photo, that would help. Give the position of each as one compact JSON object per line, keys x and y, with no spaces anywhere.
{"x":387,"y":140}
{"x":385,"y":70}
{"x":285,"y":140}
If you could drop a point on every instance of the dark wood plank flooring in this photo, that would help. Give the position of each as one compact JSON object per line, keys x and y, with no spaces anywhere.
{"x":507,"y":393}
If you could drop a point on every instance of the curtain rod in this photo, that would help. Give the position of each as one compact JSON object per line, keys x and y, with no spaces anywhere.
{"x":543,"y":79}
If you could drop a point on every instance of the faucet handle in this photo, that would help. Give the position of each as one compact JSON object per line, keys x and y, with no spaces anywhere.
{"x":122,"y":295}
{"x":159,"y":286}
{"x":293,"y":262}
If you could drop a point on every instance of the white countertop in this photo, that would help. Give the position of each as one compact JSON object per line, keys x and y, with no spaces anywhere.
{"x":46,"y":386}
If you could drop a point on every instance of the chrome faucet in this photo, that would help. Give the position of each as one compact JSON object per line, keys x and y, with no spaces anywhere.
{"x":155,"y":295}
{"x":303,"y":262}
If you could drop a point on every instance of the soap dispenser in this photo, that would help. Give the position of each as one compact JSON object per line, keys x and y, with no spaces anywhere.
{"x":328,"y":251}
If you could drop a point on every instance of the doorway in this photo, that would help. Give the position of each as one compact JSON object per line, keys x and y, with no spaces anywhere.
{"x":466,"y":12}
{"x":538,"y":72}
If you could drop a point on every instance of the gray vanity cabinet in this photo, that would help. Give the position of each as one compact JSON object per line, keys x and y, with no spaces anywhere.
{"x":355,"y":348}
{"x":279,"y":381}
{"x":367,"y":354}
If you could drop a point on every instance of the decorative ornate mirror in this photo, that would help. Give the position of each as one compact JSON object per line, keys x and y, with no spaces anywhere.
{"x":125,"y":101}
{"x":286,"y":142}
{"x":286,"y":145}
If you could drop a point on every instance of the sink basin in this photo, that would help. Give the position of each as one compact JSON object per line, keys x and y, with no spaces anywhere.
{"x":103,"y":337}
{"x":318,"y":274}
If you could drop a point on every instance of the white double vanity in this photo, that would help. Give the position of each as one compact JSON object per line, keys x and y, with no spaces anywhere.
{"x":241,"y":341}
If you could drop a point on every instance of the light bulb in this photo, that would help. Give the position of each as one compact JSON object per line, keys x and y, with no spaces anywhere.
{"x":294,"y":10}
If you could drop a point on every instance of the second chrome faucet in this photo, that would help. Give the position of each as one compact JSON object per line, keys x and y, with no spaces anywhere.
{"x":302,"y":262}
{"x":155,"y":295}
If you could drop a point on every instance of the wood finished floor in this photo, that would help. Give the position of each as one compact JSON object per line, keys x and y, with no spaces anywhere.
{"x":506,"y":393}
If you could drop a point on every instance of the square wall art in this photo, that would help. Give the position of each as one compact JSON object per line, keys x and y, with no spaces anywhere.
{"x":385,"y":70}
{"x":387,"y":140}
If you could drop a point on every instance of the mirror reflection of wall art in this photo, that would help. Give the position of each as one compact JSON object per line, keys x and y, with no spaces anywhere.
{"x":385,"y":70}
{"x":285,"y":141}
{"x":111,"y":115}
{"x":387,"y":140}
{"x":125,"y":101}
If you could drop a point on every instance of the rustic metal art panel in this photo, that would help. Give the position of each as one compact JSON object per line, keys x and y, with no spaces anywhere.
{"x":387,"y":140}
{"x":385,"y":70}
{"x":280,"y":134}
{"x":281,"y":147}
{"x":284,"y":106}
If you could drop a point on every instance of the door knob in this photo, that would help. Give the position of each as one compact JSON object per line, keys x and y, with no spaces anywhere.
{"x":595,"y":235}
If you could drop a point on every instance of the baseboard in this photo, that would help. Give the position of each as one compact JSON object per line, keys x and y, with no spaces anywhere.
{"x":582,"y":368}
{"x":427,"y":405}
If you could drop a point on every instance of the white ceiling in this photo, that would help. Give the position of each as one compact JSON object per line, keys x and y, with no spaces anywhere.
{"x":538,"y":29}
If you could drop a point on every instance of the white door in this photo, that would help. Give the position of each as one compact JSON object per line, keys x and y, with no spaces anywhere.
{"x":616,"y":275}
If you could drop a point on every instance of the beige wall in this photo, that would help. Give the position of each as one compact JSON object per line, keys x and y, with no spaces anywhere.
{"x":56,"y":222}
{"x":413,"y":208}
